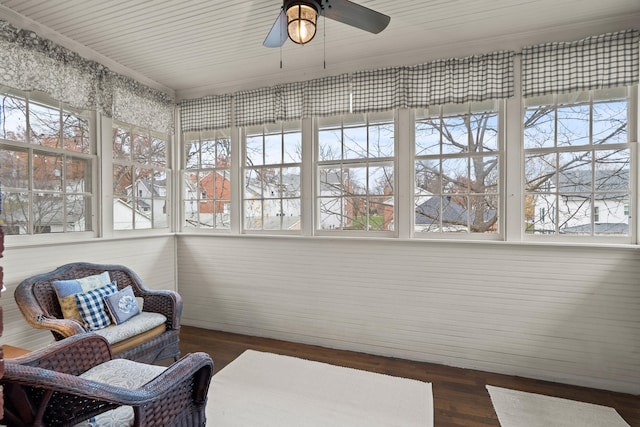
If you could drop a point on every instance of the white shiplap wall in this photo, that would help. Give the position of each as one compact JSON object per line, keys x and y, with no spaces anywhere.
{"x":559,"y":313}
{"x":153,"y":259}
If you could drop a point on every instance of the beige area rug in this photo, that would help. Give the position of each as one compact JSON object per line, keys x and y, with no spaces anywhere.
{"x":520,"y":409}
{"x":268,"y":390}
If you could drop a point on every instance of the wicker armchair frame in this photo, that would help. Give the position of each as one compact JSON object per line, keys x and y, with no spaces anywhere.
{"x":36,"y":298}
{"x":42,"y":388}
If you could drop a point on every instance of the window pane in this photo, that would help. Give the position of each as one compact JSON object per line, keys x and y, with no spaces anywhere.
{"x":273,"y":149}
{"x":329,"y":145}
{"x":78,"y":175}
{"x":223,"y":152}
{"x":291,"y":182}
{"x":539,"y":127}
{"x":13,"y":118}
{"x":252,"y":184}
{"x":14,"y":168}
{"x":428,"y":137}
{"x":293,"y":147}
{"x":574,"y":171}
{"x":44,"y":123}
{"x":121,"y":144}
{"x":15,"y":212}
{"x":78,"y":213}
{"x":610,"y":123}
{"x":355,"y":180}
{"x":331,"y":213}
{"x":381,"y":180}
{"x":455,"y":137}
{"x":253,"y":214}
{"x":48,"y":213}
{"x":192,"y":154}
{"x":540,"y":172}
{"x":573,"y":125}
{"x":122,"y":214}
{"x":254,"y":150}
{"x":455,"y":175}
{"x":612,"y":171}
{"x":381,"y":141}
{"x":141,"y":148}
{"x":355,"y":143}
{"x":75,"y":133}
{"x":484,"y":174}
{"x":122,"y":179}
{"x":47,"y":172}
{"x":484,"y":131}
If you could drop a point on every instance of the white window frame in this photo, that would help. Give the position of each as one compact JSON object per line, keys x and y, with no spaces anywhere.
{"x":198,"y":169}
{"x":281,"y":129}
{"x":631,"y":145}
{"x":26,"y":145}
{"x":459,"y":109}
{"x":352,"y":119}
{"x":131,"y":163}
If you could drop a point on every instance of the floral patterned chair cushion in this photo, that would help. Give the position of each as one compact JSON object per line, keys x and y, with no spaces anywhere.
{"x":120,"y":373}
{"x":138,"y":324}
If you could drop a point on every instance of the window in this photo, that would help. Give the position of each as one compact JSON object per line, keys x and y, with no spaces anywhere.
{"x":45,"y":166}
{"x":271,"y":188}
{"x":140,"y":181}
{"x":207,"y":180}
{"x":457,"y":170}
{"x":577,"y":164}
{"x":355,"y":173}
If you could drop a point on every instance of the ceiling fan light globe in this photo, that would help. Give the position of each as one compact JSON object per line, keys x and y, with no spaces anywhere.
{"x":301,"y":22}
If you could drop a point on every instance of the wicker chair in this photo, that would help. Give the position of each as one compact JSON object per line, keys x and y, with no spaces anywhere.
{"x":51,"y":387}
{"x":37,"y":300}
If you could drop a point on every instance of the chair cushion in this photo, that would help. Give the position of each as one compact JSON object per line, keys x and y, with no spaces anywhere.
{"x":121,"y":373}
{"x":137,"y":325}
{"x":92,"y":308}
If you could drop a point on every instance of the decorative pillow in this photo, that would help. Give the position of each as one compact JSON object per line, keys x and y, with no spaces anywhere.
{"x":122,"y":305}
{"x":66,"y":291}
{"x":91,"y":306}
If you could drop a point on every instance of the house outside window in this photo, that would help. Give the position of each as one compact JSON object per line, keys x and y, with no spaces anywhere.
{"x":140,"y":178}
{"x":46,"y":158}
{"x":355,"y":189}
{"x":578,"y":163}
{"x":207,"y":180}
{"x":457,"y":170}
{"x":271,"y":196}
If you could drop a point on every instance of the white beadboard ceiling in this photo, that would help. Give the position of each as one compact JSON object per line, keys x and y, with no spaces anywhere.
{"x":192,"y":48}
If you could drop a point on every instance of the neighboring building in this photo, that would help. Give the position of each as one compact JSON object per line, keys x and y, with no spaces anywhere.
{"x":574,"y":195}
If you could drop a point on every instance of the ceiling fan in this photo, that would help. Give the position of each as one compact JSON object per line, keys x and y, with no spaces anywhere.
{"x":298,"y":18}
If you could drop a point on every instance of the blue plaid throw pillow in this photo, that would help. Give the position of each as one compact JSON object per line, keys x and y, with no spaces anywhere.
{"x":91,"y":306}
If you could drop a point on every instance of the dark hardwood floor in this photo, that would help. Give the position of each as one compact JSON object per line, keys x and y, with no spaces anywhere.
{"x":460,"y":396}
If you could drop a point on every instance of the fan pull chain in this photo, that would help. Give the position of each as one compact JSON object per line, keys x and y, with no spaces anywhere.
{"x":324,"y":42}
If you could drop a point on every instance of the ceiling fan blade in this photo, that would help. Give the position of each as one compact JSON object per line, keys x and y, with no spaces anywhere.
{"x":278,"y":34}
{"x":355,"y":15}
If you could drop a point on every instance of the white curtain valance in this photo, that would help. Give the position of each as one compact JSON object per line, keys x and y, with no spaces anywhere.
{"x":596,"y":62}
